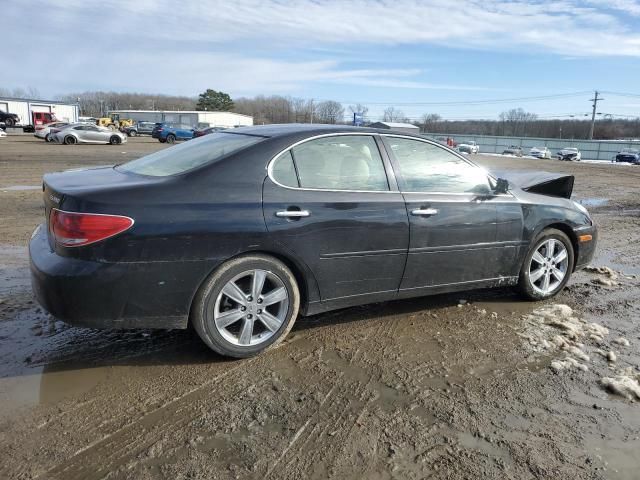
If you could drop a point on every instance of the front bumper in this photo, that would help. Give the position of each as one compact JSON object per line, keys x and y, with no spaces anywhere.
{"x":586,"y":249}
{"x":111,"y":295}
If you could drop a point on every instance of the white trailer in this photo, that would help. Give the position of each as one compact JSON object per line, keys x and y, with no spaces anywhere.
{"x":25,"y":108}
{"x":192,"y":118}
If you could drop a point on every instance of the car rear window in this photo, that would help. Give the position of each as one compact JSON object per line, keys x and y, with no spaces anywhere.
{"x":189,"y":155}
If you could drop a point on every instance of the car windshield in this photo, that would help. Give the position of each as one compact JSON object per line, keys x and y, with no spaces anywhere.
{"x":189,"y":155}
{"x":630,"y":151}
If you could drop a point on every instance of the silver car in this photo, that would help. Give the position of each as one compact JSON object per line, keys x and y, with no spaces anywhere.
{"x":84,"y":133}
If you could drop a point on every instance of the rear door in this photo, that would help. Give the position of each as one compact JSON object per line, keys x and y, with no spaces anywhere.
{"x":452,"y":213}
{"x":329,"y":201}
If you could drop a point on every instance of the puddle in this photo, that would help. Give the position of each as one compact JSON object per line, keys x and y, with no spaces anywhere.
{"x":609,"y":259}
{"x":14,"y":188}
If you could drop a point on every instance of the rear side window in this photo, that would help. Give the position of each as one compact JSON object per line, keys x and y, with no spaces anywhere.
{"x":343,"y":162}
{"x":283,"y":171}
{"x":425,"y":167}
{"x":190,"y":155}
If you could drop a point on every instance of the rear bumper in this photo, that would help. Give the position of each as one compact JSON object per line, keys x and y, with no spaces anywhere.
{"x":112,"y":295}
{"x":586,"y":249}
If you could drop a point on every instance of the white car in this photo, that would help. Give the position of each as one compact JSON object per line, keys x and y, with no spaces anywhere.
{"x":570,"y":154}
{"x":3,"y":134}
{"x":469,"y":147}
{"x":44,"y":131}
{"x":84,"y":133}
{"x":543,"y":152}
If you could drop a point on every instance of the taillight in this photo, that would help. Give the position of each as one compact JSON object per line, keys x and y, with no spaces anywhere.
{"x":72,"y":229}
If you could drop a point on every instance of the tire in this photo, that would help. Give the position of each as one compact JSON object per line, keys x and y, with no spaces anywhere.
{"x":9,"y":122}
{"x":535,"y":289}
{"x":161,"y":140}
{"x":211,"y":303}
{"x":115,"y":140}
{"x":171,"y":138}
{"x":47,"y":137}
{"x":70,"y":140}
{"x":132,"y":133}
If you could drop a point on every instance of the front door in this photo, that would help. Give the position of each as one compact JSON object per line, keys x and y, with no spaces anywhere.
{"x":328,"y":201}
{"x":452,"y":214}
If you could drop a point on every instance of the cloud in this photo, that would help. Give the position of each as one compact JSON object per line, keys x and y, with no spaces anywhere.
{"x":278,"y":46}
{"x":567,"y":26}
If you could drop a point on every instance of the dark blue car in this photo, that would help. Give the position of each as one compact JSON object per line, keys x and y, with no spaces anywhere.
{"x":172,"y":132}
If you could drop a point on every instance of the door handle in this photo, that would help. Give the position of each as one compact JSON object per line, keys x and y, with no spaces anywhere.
{"x":293,"y":214}
{"x":424,"y":211}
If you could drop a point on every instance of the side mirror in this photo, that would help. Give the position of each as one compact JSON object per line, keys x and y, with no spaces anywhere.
{"x":502,"y":186}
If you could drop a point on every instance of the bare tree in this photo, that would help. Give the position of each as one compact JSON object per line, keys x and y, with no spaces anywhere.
{"x":329,"y":111}
{"x":428,"y":121}
{"x":391,"y":114}
{"x":359,"y":108}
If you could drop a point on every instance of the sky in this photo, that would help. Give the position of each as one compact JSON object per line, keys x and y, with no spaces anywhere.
{"x":451,"y":57}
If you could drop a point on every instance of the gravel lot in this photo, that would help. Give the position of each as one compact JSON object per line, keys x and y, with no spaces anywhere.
{"x":425,"y":388}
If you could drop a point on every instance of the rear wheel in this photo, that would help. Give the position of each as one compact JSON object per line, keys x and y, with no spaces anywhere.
{"x":132,"y":133}
{"x":70,"y":140}
{"x":9,"y":122}
{"x":171,"y":138}
{"x":47,"y":137}
{"x":161,"y":140}
{"x":246,"y":306}
{"x":115,"y":140}
{"x":548,"y":265}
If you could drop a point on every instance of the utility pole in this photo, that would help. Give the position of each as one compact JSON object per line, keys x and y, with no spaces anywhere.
{"x":595,"y":101}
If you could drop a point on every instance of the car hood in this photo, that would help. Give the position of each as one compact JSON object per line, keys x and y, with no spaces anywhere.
{"x":542,"y":183}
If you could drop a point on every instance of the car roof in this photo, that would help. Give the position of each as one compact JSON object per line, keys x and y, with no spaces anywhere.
{"x":286,"y":129}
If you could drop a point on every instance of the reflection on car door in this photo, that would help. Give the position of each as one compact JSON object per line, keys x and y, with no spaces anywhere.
{"x":452,"y":214}
{"x":328,"y":201}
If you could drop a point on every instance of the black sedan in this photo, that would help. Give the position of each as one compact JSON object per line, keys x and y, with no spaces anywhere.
{"x":629,"y":155}
{"x":239,"y":231}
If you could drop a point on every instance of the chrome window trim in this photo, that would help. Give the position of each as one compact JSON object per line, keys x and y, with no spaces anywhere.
{"x":315,"y":137}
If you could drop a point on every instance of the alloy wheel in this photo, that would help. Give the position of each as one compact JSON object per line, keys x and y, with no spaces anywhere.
{"x":548,"y":266}
{"x":251,"y":308}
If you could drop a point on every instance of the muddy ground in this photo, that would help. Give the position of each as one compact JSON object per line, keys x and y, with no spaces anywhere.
{"x":425,"y":388}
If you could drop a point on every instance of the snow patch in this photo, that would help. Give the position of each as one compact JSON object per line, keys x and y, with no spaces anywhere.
{"x":625,"y":383}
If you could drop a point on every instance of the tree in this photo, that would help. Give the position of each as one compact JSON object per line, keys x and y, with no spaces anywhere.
{"x":214,"y":101}
{"x":329,"y":112}
{"x":391,"y":114}
{"x":515,"y":121}
{"x":429,"y":121}
{"x":359,"y":108}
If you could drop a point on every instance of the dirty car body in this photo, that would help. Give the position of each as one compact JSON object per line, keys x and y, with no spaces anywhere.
{"x":347,"y":210}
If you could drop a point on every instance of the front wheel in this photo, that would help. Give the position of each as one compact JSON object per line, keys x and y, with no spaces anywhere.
{"x":132,"y":133}
{"x":70,"y":140}
{"x":9,"y":122}
{"x":246,"y":306}
{"x":548,"y":265}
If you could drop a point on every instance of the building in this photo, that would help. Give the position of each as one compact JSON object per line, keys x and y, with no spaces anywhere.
{"x":398,"y":127}
{"x":192,"y":118}
{"x":26,"y":107}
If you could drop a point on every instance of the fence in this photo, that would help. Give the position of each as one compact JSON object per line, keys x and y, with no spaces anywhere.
{"x":591,"y":149}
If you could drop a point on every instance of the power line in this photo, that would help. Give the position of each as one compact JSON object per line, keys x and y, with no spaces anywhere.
{"x":473,"y":102}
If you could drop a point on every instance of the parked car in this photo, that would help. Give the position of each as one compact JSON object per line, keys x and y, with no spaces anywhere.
{"x":44,"y":131}
{"x":207,"y":131}
{"x":139,"y":128}
{"x":513,"y":150}
{"x":570,"y":154}
{"x":172,"y":132}
{"x":629,"y":155}
{"x":241,"y":230}
{"x":469,"y":147}
{"x":537,"y":152}
{"x":9,"y":119}
{"x":83,"y":133}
